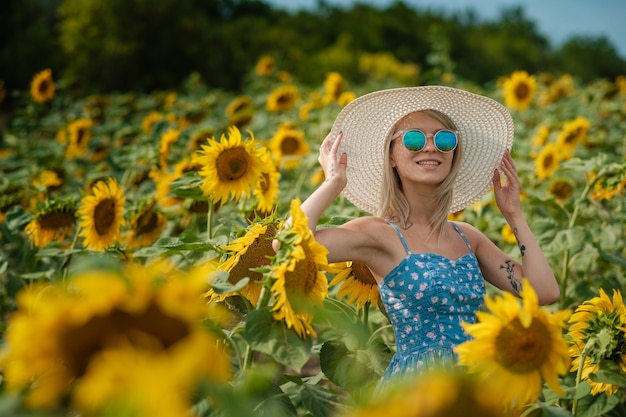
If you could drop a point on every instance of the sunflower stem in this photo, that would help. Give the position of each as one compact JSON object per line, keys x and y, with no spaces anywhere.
{"x":579,"y":372}
{"x":209,"y":222}
{"x":366,"y":312}
{"x":572,"y":222}
{"x":264,"y":298}
{"x":68,"y":257}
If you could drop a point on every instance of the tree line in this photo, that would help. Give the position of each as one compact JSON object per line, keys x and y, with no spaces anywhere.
{"x":123,"y":45}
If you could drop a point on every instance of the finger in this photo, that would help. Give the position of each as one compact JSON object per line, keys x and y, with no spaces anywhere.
{"x":497,"y":185}
{"x":337,"y":142}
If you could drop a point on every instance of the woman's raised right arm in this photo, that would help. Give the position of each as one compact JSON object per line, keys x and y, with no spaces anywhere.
{"x":335,"y":180}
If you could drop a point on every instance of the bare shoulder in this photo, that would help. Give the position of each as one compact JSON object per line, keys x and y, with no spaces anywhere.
{"x":475,"y":236}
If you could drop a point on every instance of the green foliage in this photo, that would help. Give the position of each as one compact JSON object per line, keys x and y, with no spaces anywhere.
{"x":124,"y":45}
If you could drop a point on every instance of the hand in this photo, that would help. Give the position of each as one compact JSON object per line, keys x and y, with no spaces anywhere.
{"x":334,"y":167}
{"x":507,"y":194}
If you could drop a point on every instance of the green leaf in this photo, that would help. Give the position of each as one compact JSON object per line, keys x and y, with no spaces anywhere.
{"x":609,"y":377}
{"x":221,"y":284}
{"x":273,"y":338}
{"x":318,"y":400}
{"x":352,"y":369}
{"x":592,"y":406}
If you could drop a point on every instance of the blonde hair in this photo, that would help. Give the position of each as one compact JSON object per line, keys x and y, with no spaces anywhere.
{"x":395,"y":207}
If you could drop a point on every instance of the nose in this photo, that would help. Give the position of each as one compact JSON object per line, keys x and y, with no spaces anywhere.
{"x":430,"y":143}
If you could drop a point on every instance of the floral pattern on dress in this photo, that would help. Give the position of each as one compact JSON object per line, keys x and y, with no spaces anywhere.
{"x":427,"y":296}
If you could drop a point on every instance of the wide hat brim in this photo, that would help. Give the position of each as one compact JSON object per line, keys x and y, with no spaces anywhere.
{"x":485,"y":130}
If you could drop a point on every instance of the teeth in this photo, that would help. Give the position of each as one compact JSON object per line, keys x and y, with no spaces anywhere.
{"x":428,"y":163}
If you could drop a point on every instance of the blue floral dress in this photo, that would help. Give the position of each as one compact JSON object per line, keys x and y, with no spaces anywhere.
{"x":427,"y":297}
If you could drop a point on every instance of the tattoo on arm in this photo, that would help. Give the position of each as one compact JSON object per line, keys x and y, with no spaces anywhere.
{"x":522,"y":248}
{"x":510,"y":272}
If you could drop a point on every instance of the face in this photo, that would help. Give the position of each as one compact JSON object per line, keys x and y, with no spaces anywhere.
{"x":429,"y":165}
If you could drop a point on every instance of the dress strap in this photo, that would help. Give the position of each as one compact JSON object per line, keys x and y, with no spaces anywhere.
{"x":458,"y":229}
{"x":406,"y":247}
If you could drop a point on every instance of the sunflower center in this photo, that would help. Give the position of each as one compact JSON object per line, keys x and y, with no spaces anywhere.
{"x":104,"y":215}
{"x":150,"y":330}
{"x":522,"y":91}
{"x":56,"y":220}
{"x":289,"y":145}
{"x":232,"y":164}
{"x":255,"y":256}
{"x":522,"y":350}
{"x":147,"y":222}
{"x":363,"y":274}
{"x":572,"y":136}
{"x":304,"y":276}
{"x":547,"y":161}
{"x":44,"y":86}
{"x":265,"y":182}
{"x":81,"y":135}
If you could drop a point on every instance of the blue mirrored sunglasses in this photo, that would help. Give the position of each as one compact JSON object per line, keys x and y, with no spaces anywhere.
{"x":415,"y":140}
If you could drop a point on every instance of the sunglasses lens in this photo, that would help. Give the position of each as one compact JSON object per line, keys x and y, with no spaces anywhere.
{"x":445,"y":140}
{"x":414,"y":140}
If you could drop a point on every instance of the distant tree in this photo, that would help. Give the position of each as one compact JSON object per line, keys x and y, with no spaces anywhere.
{"x":589,"y":57}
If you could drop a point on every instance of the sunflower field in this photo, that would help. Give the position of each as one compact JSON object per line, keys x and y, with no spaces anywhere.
{"x":139,"y":277}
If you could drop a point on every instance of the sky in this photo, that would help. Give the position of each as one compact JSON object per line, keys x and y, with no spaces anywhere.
{"x":557,"y":20}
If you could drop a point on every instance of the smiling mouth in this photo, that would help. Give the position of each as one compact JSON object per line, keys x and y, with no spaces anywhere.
{"x":434,"y":163}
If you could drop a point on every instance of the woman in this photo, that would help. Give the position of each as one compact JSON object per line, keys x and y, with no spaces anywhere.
{"x":411,"y":156}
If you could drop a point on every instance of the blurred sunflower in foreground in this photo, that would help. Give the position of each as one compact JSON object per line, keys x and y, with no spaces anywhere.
{"x":598,"y":339}
{"x":298,"y":280}
{"x":520,"y":346}
{"x":436,"y":393}
{"x":116,"y":341}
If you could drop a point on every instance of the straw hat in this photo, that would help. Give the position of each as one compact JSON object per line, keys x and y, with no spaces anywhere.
{"x":484,"y":126}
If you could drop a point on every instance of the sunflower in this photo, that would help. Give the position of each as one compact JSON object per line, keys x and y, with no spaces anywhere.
{"x":266,"y":192}
{"x":105,"y":336}
{"x":265,"y":66}
{"x":333,"y":86}
{"x":48,"y":179}
{"x":42,"y":87}
{"x":288,"y":147}
{"x":199,"y":137}
{"x":253,"y":250}
{"x":611,"y":184}
{"x":146,"y":226}
{"x":240,"y":120}
{"x":53,"y":222}
{"x":238,"y":105}
{"x":573,"y":133}
{"x":79,"y":132}
{"x":597,"y":332}
{"x":282,"y":99}
{"x":345,"y":98}
{"x":296,"y":272}
{"x":149,"y":120}
{"x":562,"y":189}
{"x":508,"y":235}
{"x":357,"y":283}
{"x":547,"y":161}
{"x":518,"y":346}
{"x":168,"y":138}
{"x":437,"y":393}
{"x":519,"y":90}
{"x":541,"y":136}
{"x":101,"y":215}
{"x":230,"y":167}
